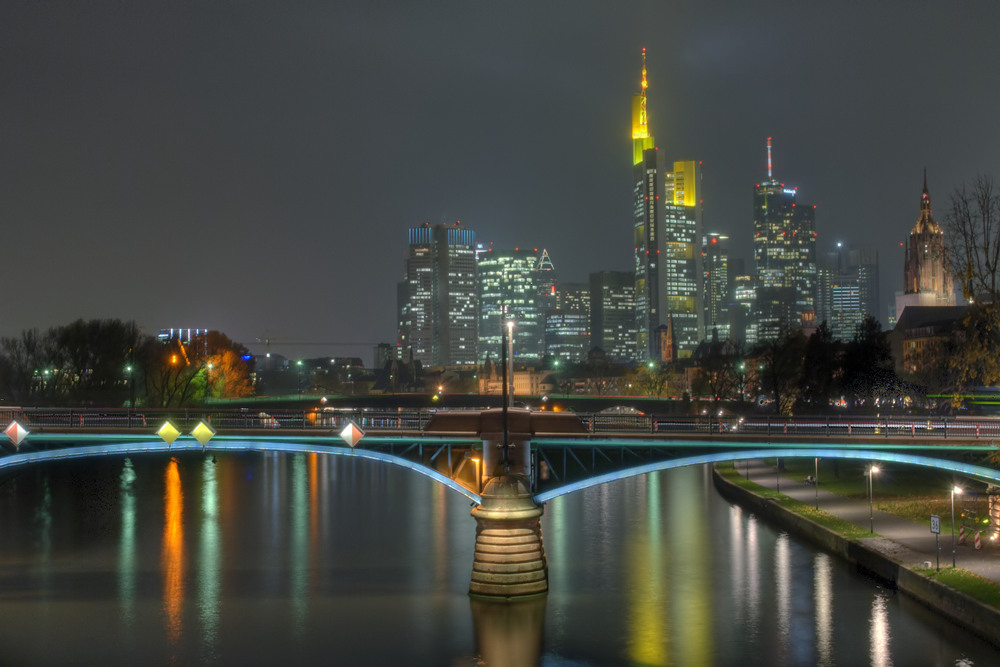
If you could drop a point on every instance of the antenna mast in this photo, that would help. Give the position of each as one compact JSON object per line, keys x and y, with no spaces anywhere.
{"x":769,"y":176}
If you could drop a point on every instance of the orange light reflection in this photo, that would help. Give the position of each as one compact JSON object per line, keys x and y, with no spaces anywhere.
{"x":173,"y":552}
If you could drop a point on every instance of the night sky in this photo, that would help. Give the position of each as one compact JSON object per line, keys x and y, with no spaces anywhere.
{"x":253,"y":167}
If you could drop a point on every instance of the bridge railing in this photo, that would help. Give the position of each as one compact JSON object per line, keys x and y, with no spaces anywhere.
{"x":412,"y":420}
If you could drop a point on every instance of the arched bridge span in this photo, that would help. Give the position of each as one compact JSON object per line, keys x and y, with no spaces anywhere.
{"x":559,"y":466}
{"x":969,"y":469}
{"x":101,"y":446}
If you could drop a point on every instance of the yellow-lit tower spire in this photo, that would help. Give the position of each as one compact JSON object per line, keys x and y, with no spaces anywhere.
{"x":641,"y":138}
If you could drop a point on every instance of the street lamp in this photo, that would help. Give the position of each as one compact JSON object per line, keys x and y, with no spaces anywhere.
{"x":510,"y":359}
{"x":872,"y":469}
{"x":954,"y":490}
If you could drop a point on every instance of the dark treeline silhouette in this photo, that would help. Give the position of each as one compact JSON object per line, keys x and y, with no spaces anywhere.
{"x":111,"y":363}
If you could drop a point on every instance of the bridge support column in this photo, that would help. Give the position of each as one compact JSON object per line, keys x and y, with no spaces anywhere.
{"x":509,"y":560}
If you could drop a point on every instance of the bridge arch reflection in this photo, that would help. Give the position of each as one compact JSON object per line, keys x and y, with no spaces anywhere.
{"x":242,"y":445}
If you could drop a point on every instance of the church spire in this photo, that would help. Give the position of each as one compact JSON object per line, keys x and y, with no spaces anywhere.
{"x":926,"y":222}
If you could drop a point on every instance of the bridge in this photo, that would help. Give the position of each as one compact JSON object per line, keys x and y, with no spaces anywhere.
{"x":509,"y":462}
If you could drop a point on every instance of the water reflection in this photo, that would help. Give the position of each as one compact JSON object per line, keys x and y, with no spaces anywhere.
{"x":879,"y":633}
{"x":509,"y":633}
{"x":325,"y":560}
{"x":823,"y":602}
{"x":210,"y":559}
{"x":173,"y":553}
{"x":647,"y":587}
{"x":127,"y":545}
{"x":299,"y":556}
{"x":782,"y":576}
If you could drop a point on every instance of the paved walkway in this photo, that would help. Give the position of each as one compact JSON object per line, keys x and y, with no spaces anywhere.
{"x":906,"y":541}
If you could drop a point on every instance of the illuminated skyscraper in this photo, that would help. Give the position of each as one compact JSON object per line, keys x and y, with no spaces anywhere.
{"x":567,"y":324}
{"x":667,"y":230}
{"x":681,"y":279}
{"x":785,"y":257}
{"x":612,"y":314}
{"x":715,"y":265}
{"x":847,"y":289}
{"x":438,"y":323}
{"x":648,"y":225}
{"x":508,"y":290}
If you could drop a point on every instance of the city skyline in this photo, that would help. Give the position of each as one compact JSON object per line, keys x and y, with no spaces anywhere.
{"x":255,"y":171}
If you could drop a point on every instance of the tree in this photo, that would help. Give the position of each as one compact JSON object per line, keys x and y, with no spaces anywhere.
{"x":650,"y":378}
{"x":717,"y":375}
{"x":973,"y":222}
{"x":869,"y":373}
{"x":209,"y":366}
{"x":820,"y":369}
{"x":779,"y":362}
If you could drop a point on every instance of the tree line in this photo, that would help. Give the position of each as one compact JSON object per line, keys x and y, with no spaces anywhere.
{"x":111,"y":363}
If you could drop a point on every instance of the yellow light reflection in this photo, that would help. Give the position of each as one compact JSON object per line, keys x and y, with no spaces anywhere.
{"x":173,"y":552}
{"x":692,"y":572}
{"x":647,"y":608}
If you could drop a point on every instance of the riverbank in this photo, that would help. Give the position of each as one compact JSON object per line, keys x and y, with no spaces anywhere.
{"x":895,"y":564}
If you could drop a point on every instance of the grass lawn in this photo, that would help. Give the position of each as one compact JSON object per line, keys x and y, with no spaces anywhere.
{"x":836,"y":524}
{"x":913,"y":506}
{"x":973,"y":585}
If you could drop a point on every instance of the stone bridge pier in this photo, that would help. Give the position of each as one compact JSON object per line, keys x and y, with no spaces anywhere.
{"x":509,"y":560}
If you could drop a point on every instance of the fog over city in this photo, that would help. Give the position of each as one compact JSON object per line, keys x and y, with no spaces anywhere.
{"x":253,"y":167}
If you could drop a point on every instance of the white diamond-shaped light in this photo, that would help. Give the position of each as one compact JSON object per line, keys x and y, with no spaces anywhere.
{"x":16,"y":433}
{"x":352,"y":434}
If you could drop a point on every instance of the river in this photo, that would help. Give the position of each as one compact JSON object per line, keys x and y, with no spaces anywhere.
{"x":306,"y":559}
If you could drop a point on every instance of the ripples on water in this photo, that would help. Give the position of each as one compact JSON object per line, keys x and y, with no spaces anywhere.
{"x":305,"y":559}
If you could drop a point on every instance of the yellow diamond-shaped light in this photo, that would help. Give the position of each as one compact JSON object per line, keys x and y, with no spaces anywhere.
{"x":203,"y":433}
{"x":352,"y":434}
{"x":168,"y":432}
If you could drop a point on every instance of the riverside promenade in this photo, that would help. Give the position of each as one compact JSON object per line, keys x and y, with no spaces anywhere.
{"x":907,"y":542}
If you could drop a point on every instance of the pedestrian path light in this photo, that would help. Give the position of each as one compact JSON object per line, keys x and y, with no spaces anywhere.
{"x":954,"y":490}
{"x":872,"y":469}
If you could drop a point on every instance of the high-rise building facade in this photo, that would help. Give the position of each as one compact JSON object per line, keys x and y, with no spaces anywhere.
{"x":927,"y":279}
{"x":647,"y":192}
{"x":742,"y":314}
{"x":716,"y":288}
{"x":567,"y":324}
{"x":785,"y":257}
{"x":438,"y":320}
{"x":847,"y":288}
{"x":508,"y":291}
{"x":667,"y":231}
{"x":681,"y":273}
{"x":612,"y":314}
